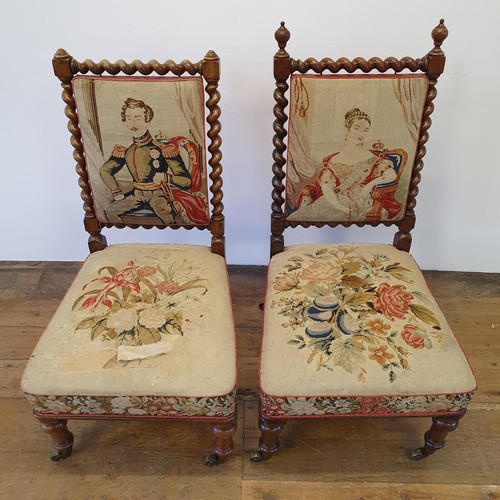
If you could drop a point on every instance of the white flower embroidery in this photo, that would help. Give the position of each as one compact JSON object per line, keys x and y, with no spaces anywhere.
{"x":55,"y":406}
{"x":156,"y":164}
{"x":86,"y":405}
{"x":300,"y":406}
{"x":136,"y":411}
{"x":121,"y":404}
{"x":153,"y":317}
{"x":123,"y":320}
{"x":442,"y":404}
{"x":341,"y":406}
{"x":154,"y":153}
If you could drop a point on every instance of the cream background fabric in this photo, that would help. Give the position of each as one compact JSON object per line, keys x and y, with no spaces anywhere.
{"x":318,"y":106}
{"x":99,"y":101}
{"x":286,"y":372}
{"x":200,"y":363}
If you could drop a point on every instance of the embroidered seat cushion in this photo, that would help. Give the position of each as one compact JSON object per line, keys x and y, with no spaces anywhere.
{"x":354,"y":329}
{"x":143,"y":330}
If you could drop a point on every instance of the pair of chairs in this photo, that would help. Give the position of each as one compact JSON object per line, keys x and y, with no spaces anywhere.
{"x":146,"y":331}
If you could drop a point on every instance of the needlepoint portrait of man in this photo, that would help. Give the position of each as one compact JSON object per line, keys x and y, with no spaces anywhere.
{"x":144,"y":148}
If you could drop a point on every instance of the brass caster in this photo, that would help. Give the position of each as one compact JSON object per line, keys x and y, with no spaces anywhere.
{"x":58,"y":457}
{"x":258,"y":456}
{"x":417,"y":454}
{"x":212,"y":460}
{"x":63,"y":452}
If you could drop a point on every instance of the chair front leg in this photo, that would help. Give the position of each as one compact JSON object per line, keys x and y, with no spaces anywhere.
{"x":62,"y":438}
{"x":223,"y":431}
{"x":436,"y":435}
{"x":269,"y":442}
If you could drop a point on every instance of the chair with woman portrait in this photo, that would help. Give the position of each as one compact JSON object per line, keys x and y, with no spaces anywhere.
{"x":352,"y":330}
{"x":146,"y":330}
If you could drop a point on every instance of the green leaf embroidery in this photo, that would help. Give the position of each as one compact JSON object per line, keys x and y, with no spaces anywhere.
{"x":398,"y":271}
{"x":149,"y":285}
{"x":424,"y":314}
{"x":86,"y":323}
{"x":353,"y":281}
{"x":111,"y":270}
{"x":346,"y":355}
{"x":98,"y":329}
{"x":359,"y":299}
{"x":147,"y":335}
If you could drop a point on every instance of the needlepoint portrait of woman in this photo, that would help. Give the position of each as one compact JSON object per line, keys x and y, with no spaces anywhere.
{"x":352,"y":144}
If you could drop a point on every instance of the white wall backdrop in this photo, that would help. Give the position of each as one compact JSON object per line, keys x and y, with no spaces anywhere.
{"x":458,"y":209}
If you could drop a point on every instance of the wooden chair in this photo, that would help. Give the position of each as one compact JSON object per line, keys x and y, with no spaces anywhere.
{"x":145,"y":331}
{"x":352,"y":329}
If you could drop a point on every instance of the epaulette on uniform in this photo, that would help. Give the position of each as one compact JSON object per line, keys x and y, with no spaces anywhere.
{"x":119,"y":151}
{"x":168,"y":149}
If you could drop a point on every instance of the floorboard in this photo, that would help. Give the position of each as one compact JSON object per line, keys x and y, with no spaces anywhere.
{"x":326,"y":458}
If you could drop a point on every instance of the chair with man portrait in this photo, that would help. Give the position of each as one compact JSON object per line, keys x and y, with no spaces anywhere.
{"x":352,"y":330}
{"x":145,"y":330}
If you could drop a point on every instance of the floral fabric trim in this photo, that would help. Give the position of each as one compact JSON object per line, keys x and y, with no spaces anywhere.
{"x":277,"y":406}
{"x":354,"y":313}
{"x":136,"y":406}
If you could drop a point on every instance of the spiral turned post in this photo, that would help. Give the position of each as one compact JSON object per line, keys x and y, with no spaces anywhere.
{"x":282,"y":70}
{"x":136,"y":66}
{"x":63,"y":65}
{"x":211,"y":73}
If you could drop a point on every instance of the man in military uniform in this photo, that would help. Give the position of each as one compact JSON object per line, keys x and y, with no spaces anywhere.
{"x":144,"y":159}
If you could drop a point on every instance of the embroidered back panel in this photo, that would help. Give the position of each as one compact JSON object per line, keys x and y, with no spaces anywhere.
{"x":144,"y":144}
{"x":352,"y":142}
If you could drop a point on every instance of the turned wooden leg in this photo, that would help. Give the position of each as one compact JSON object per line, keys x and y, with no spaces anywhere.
{"x":62,"y":439}
{"x":269,"y":442}
{"x":436,"y":435}
{"x":223,"y":431}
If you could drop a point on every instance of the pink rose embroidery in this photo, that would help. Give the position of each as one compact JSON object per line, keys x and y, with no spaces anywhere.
{"x":392,"y":301}
{"x":321,"y":271}
{"x":411,"y":338}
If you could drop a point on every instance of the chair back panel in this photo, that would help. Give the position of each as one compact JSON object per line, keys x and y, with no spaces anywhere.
{"x":144,"y":145}
{"x":352,"y":141}
{"x":349,"y":145}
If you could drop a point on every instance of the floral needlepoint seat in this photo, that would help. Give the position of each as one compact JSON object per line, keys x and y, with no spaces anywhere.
{"x":358,"y":333}
{"x":137,"y":324}
{"x":145,"y":330}
{"x":353,"y":329}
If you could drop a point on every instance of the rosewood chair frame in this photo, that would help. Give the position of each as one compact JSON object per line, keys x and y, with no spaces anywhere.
{"x":432,"y":65}
{"x":65,"y":68}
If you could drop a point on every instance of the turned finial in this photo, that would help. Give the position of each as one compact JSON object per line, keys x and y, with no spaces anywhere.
{"x":439,"y":34}
{"x":61,"y":54}
{"x":211,"y":56}
{"x":282,"y":35}
{"x":61,"y":62}
{"x":211,"y":67}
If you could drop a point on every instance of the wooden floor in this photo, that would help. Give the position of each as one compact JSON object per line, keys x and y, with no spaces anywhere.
{"x":341,"y":458}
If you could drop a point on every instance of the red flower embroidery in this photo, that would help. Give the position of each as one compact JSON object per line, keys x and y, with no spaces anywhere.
{"x":411,"y":338}
{"x":112,"y":282}
{"x":146,"y":271}
{"x":169,"y":287}
{"x":371,"y":405}
{"x":392,"y":301}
